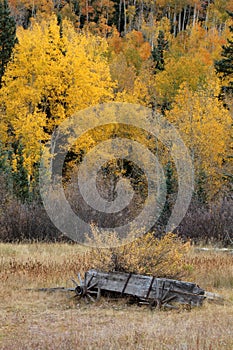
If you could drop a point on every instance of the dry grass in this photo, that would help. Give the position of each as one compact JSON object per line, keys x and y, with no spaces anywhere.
{"x":36,"y":320}
{"x":212,"y":270}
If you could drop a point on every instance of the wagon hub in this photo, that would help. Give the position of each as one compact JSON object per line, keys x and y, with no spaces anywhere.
{"x":79,"y":290}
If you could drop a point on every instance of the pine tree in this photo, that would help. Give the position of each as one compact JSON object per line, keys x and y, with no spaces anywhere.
{"x":158,"y":52}
{"x":224,"y":67}
{"x":7,"y":36}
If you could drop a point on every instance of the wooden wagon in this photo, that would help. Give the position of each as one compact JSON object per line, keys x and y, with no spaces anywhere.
{"x":150,"y":290}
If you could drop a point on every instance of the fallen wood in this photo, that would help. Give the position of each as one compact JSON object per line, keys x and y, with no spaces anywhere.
{"x":51,"y":290}
{"x":214,"y":250}
{"x":214,"y":298}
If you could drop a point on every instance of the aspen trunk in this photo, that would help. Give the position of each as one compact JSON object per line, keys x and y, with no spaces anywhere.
{"x":194,"y":15}
{"x":125,"y":17}
{"x":119,"y":19}
{"x":179,"y":22}
{"x":174,"y":23}
{"x":184,"y":18}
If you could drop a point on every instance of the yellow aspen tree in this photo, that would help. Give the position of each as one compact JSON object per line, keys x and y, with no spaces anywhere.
{"x":177,"y":71}
{"x":205,"y":126}
{"x":190,"y":59}
{"x":49,"y":79}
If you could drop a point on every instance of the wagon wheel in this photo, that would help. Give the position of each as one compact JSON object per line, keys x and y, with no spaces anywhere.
{"x":162,"y":299}
{"x":85,"y":289}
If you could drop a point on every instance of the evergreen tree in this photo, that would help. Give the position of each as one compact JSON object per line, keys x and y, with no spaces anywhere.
{"x":59,"y":23}
{"x":224,"y":67}
{"x":200,"y":192}
{"x":20,"y":174}
{"x":7,"y":36}
{"x":171,"y":190}
{"x":158,"y":52}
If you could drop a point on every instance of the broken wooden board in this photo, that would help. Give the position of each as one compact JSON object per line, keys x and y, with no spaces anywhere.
{"x":214,"y":298}
{"x":214,"y":250}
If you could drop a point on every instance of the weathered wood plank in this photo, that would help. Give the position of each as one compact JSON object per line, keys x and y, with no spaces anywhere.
{"x":214,"y":298}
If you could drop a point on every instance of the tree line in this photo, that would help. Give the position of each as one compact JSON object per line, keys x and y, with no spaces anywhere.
{"x":175,"y":57}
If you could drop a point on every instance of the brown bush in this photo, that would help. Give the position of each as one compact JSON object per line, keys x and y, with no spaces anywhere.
{"x":209,"y":224}
{"x":147,"y":254}
{"x":24,"y":221}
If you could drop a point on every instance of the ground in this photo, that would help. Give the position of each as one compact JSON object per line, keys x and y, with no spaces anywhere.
{"x":39,"y":320}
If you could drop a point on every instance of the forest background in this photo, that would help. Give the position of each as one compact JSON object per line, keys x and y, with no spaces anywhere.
{"x":58,"y":57}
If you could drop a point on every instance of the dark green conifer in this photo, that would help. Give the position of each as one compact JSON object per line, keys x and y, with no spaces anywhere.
{"x":224,"y":67}
{"x":158,"y":52}
{"x":7,"y":36}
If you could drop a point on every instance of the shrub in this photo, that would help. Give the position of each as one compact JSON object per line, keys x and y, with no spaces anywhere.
{"x":147,"y":254}
{"x":26,"y":221}
{"x":209,"y":224}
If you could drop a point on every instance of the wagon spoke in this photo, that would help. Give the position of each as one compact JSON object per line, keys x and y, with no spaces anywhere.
{"x":161,"y":295}
{"x":93,"y":285}
{"x":92,"y":292}
{"x":91,"y":298}
{"x":86,"y":300}
{"x":80,"y":279}
{"x":169,"y":299}
{"x":77,"y":285}
{"x":166,"y":294}
{"x":89,"y":281}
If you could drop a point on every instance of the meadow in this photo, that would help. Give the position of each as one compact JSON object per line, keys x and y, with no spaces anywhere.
{"x":40,"y":320}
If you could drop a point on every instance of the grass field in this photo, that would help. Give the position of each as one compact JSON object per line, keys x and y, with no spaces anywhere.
{"x":37,"y":320}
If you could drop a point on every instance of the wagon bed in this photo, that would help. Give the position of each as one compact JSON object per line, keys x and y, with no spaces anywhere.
{"x":145,"y":289}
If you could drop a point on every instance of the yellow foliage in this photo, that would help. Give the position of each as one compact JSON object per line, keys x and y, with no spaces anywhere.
{"x":49,"y":78}
{"x":205,"y":126}
{"x":160,"y":257}
{"x":179,"y":70}
{"x":190,"y":59}
{"x":151,"y":31}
